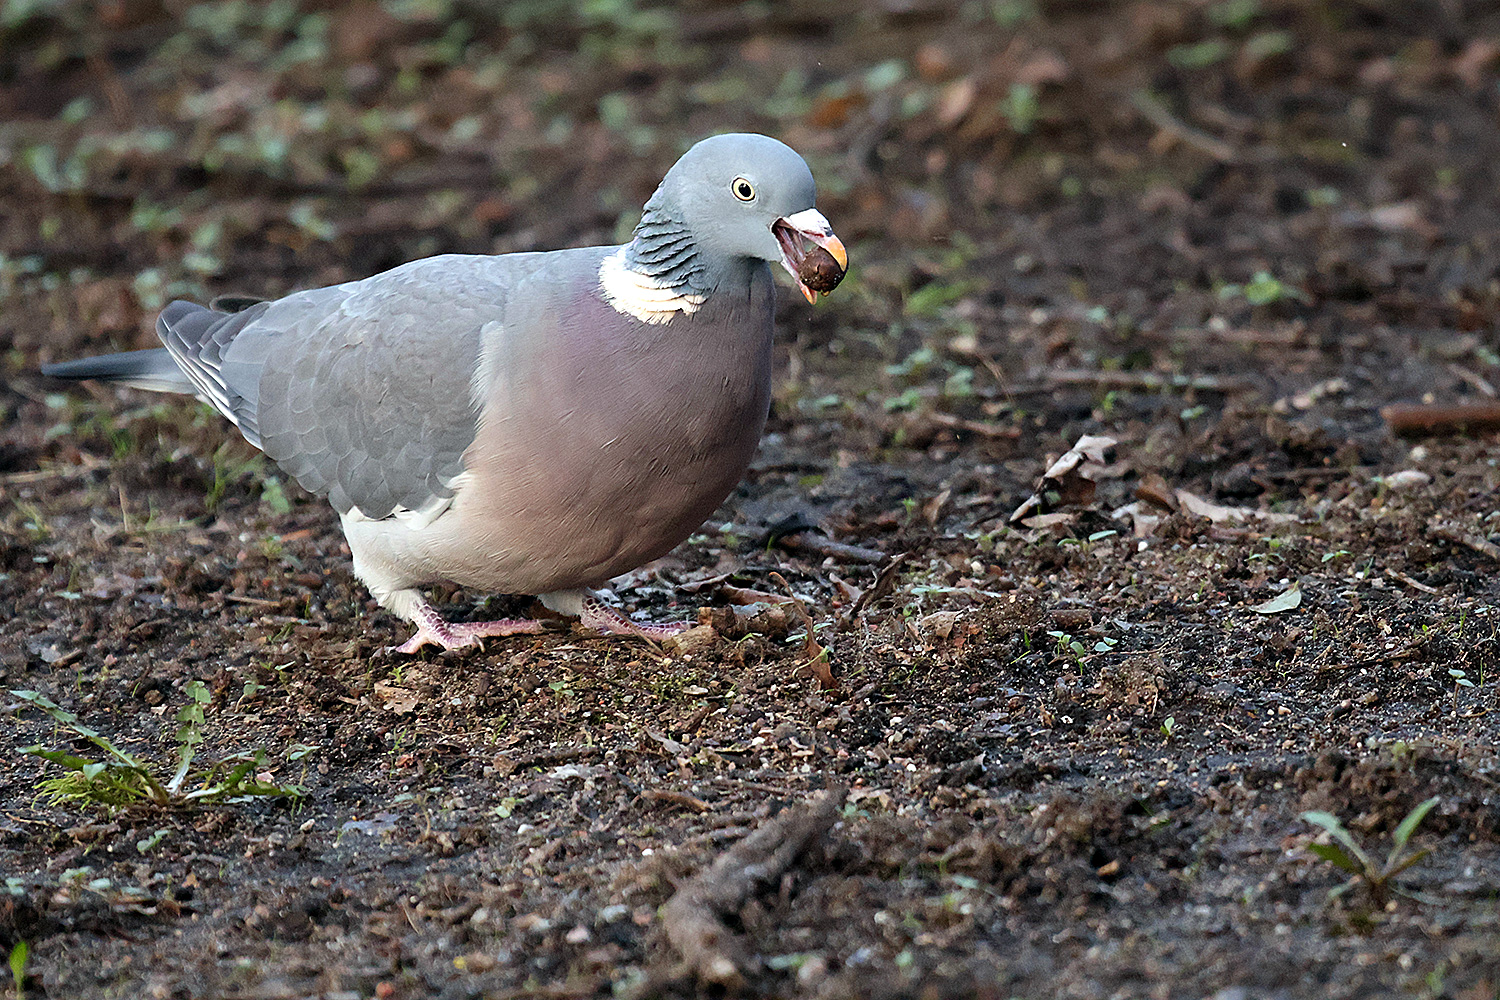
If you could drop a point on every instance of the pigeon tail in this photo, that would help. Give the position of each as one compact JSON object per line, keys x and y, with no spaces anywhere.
{"x":151,"y":369}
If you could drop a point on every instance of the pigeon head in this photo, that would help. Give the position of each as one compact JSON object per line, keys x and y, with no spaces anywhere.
{"x":739,"y":197}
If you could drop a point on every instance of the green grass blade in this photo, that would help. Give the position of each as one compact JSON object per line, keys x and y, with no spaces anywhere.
{"x":1334,"y":826}
{"x":1338,"y":856}
{"x":18,"y":954}
{"x":1406,"y":863}
{"x":60,"y":757}
{"x":1412,"y":821}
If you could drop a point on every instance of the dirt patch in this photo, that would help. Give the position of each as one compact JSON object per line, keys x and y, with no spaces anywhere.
{"x":1073,"y":753}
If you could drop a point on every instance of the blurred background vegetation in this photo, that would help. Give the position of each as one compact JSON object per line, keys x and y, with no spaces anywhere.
{"x":1123,"y":166}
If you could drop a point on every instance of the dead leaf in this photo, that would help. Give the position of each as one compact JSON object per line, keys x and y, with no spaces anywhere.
{"x":1069,"y":481}
{"x":937,"y":626}
{"x":821,"y":670}
{"x":396,"y":699}
{"x":1217,"y":513}
{"x":817,"y":656}
{"x":933,"y":508}
{"x":1154,"y":490}
{"x":956,"y":100}
{"x":1089,"y":450}
{"x":668,"y":744}
{"x":1144,"y":518}
{"x":1042,"y":68}
{"x":1061,"y":517}
{"x":1288,"y":600}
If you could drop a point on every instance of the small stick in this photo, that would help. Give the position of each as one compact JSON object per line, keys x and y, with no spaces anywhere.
{"x":883,"y":585}
{"x":1396,"y":574}
{"x":1142,"y":380}
{"x":1483,"y":546}
{"x":811,"y":541}
{"x":978,"y":428}
{"x":1412,"y":420}
{"x":1157,"y":114}
{"x":694,"y":917}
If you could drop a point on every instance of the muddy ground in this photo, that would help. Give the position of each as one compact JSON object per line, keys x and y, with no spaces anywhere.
{"x":1067,"y":757}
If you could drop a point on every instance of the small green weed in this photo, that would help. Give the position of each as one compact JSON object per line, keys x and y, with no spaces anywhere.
{"x":1347,"y":855}
{"x":1263,"y":290}
{"x":1021,"y":107}
{"x":119,"y":778}
{"x":1460,"y":680}
{"x":1067,"y":647}
{"x":18,"y":955}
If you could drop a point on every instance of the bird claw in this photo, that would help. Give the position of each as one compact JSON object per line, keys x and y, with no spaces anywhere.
{"x":434,"y":630}
{"x":427,"y":637}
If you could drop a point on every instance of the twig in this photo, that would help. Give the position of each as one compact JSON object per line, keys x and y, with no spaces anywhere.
{"x":883,"y":585}
{"x":541,"y":758}
{"x":1410,"y":419}
{"x":1453,"y":533}
{"x":256,"y":602}
{"x":1143,"y":380}
{"x":1396,"y":574}
{"x":978,"y":428}
{"x":1480,"y":384}
{"x":694,"y":917}
{"x":1155,"y":112}
{"x":822,"y":545}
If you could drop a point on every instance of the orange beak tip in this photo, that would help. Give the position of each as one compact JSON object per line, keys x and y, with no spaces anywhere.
{"x":835,"y":246}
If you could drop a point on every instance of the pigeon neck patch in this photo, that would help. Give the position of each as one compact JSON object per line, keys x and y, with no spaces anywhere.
{"x":660,"y":272}
{"x":648,"y":298}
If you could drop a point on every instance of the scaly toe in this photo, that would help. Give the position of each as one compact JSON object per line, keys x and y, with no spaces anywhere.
{"x":604,"y":618}
{"x":429,"y":637}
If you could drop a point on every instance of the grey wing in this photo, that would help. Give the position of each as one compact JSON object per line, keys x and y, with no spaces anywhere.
{"x":359,"y":391}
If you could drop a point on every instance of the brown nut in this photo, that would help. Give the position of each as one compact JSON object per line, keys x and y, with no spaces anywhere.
{"x":820,"y":271}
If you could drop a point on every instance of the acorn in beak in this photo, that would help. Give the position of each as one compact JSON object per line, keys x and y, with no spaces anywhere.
{"x":818,"y":267}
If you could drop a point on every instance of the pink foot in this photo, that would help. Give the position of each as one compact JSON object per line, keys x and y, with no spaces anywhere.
{"x":606,"y":618}
{"x":434,"y":630}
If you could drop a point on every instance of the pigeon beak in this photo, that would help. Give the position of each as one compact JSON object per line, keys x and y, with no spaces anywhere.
{"x":810,"y":225}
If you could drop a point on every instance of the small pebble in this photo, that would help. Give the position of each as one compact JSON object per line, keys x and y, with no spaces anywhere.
{"x":1407,"y":479}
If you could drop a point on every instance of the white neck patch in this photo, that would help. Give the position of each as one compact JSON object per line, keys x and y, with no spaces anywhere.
{"x":640,"y":295}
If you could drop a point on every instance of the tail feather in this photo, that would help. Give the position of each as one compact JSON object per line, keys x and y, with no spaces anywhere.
{"x":151,"y":369}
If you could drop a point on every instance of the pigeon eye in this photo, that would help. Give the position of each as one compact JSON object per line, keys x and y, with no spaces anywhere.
{"x":743,"y":189}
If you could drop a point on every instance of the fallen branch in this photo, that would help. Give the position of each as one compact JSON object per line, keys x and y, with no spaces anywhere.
{"x":1410,"y":420}
{"x":694,"y":917}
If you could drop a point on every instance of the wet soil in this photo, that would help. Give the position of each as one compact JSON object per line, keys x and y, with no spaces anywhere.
{"x":1076,"y":750}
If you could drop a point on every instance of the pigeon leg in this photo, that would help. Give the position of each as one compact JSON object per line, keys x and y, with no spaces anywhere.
{"x":602,"y":617}
{"x":435,"y":630}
